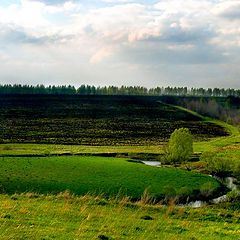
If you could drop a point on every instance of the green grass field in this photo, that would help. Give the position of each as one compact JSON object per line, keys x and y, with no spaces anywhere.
{"x":32,"y":216}
{"x":96,"y":175}
{"x":50,"y":149}
{"x":33,"y":178}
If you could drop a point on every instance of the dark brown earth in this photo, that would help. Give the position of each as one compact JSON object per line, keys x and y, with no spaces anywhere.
{"x":95,"y":120}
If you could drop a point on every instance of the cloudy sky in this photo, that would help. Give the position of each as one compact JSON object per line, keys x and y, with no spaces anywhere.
{"x":120,"y":42}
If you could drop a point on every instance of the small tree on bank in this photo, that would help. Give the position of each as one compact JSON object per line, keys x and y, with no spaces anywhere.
{"x":180,"y":146}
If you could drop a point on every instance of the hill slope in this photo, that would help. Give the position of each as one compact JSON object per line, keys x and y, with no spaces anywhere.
{"x":95,"y":120}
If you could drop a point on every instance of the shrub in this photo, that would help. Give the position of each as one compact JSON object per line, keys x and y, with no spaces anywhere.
{"x":217,"y":165}
{"x":180,"y":146}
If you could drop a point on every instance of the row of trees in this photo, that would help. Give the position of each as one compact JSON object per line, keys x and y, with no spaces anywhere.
{"x":227,"y":111}
{"x":113,"y":90}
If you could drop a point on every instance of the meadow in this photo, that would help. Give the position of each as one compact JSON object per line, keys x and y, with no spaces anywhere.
{"x":99,"y":175}
{"x":70,"y":170}
{"x":64,"y":216}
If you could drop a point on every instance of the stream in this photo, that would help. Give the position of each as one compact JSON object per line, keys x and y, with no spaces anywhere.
{"x":152,"y":163}
{"x":228,"y":182}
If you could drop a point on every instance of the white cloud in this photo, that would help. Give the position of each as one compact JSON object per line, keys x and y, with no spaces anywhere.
{"x":109,"y":37}
{"x":117,"y":1}
{"x":228,"y":9}
{"x":28,"y":14}
{"x":101,"y":54}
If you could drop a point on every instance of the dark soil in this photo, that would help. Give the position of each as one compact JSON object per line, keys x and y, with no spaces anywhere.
{"x":95,"y":120}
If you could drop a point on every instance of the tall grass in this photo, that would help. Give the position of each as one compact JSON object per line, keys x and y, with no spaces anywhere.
{"x":64,"y":216}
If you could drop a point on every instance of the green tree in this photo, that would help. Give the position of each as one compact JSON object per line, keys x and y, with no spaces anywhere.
{"x":180,"y":146}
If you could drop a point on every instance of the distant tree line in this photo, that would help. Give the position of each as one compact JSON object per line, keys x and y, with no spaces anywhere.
{"x":225,"y":108}
{"x":113,"y":90}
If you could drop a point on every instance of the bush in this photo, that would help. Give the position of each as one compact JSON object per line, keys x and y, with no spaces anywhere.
{"x":180,"y":146}
{"x":216,"y":165}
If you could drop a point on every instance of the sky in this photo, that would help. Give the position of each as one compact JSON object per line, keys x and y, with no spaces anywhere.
{"x":120,"y":42}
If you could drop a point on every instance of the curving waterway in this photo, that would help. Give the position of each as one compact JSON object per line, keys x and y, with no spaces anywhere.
{"x":228,"y":182}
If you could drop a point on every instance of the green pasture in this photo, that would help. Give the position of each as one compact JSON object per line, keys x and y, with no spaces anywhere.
{"x":219,"y":142}
{"x":97,"y":175}
{"x":63,"y":216}
{"x":48,"y":190}
{"x":230,"y":153}
{"x":50,"y":149}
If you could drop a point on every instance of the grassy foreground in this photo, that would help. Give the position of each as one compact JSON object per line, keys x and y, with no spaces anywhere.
{"x":32,"y":216}
{"x":96,"y":175}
